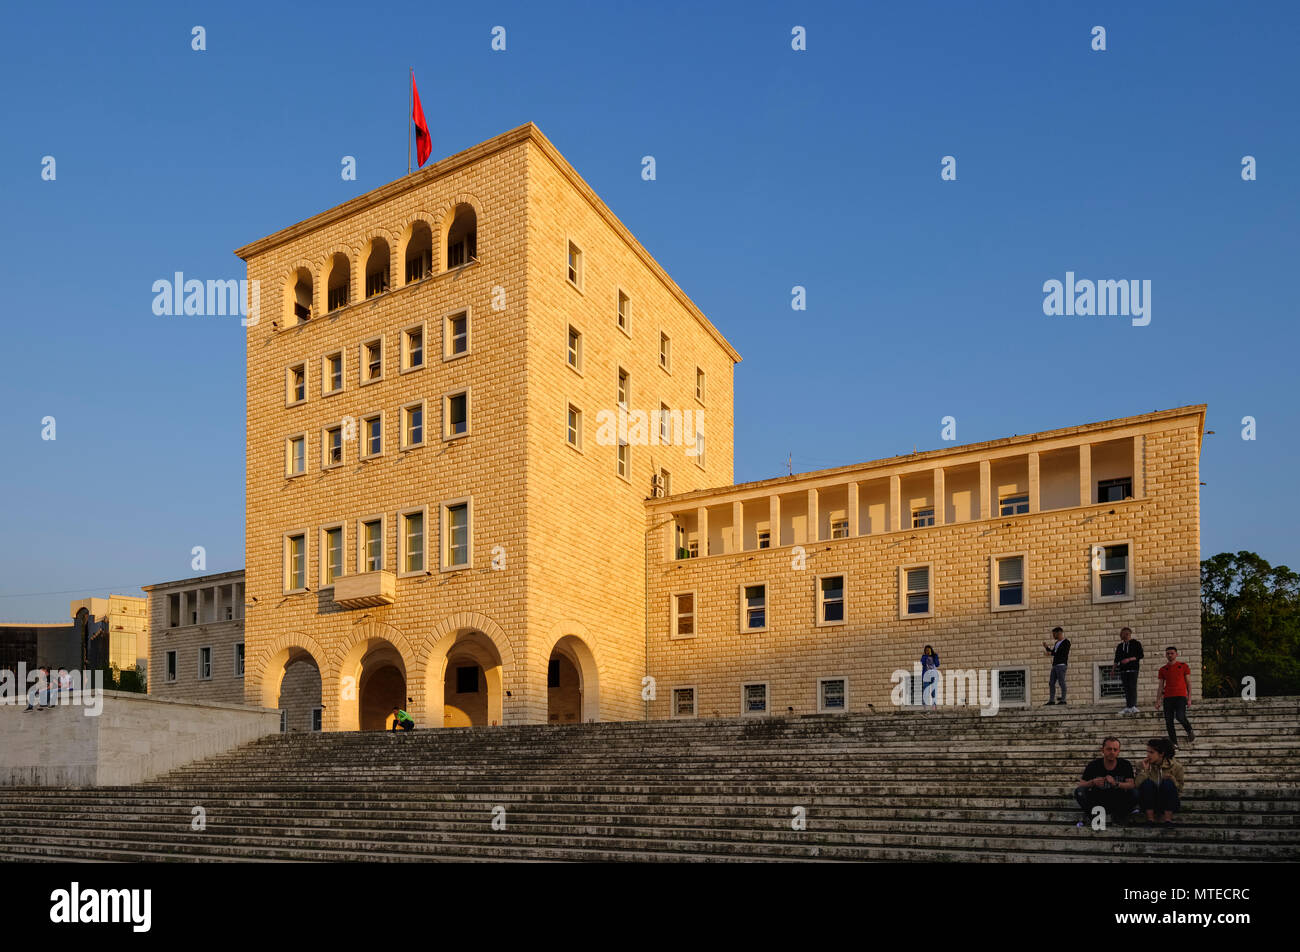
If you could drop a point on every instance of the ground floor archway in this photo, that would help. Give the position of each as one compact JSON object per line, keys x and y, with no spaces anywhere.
{"x":465,"y":681}
{"x":572,"y":683}
{"x":372,"y":681}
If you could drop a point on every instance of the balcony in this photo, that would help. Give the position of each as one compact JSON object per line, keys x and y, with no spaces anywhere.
{"x":368,"y":590}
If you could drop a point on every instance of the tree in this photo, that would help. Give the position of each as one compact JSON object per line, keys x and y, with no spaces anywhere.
{"x":1250,"y":625}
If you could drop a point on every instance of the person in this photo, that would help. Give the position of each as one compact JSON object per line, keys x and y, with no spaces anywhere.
{"x":65,"y":682}
{"x":1128,"y":657}
{"x":41,"y":686}
{"x":1174,"y":695}
{"x":929,"y":662}
{"x":1160,"y":782}
{"x":1107,"y":782}
{"x":1060,"y":652}
{"x":400,"y":717}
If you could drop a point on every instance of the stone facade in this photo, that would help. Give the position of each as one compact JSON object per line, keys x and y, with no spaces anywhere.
{"x":186,"y":617}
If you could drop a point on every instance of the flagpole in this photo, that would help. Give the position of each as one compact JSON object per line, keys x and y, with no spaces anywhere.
{"x":410,"y":105}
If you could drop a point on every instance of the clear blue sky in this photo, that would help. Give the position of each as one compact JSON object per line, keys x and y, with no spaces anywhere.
{"x":775,"y":168}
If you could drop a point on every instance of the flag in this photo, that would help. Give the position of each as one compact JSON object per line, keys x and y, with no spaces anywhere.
{"x":423,"y":144}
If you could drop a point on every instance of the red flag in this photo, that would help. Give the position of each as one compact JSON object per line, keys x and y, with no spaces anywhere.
{"x":423,"y":144}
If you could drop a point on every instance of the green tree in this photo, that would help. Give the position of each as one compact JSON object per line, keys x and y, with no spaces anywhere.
{"x":1250,"y":625}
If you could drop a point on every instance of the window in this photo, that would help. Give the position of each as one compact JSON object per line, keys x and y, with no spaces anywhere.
{"x":340,"y":282}
{"x":1015,"y":505}
{"x":575,"y":266}
{"x":1110,"y":573}
{"x":665,"y":482}
{"x":624,"y":317}
{"x":830,"y":600}
{"x":922,"y":517}
{"x":372,"y":435}
{"x":332,"y":447}
{"x":1008,"y":582}
{"x":174,"y":610}
{"x":684,"y":702}
{"x":1013,"y":686}
{"x":839,"y":526}
{"x":377,"y":268}
{"x":171,"y":666}
{"x":331,"y":554}
{"x":699,"y":384}
{"x":284,"y":721}
{"x":316,"y":719}
{"x":699,"y":449}
{"x":413,"y":348}
{"x":457,"y":551}
{"x":239,"y":660}
{"x":297,"y":385}
{"x":832,"y":695}
{"x":413,"y":425}
{"x":462,"y":237}
{"x":753,"y":698}
{"x":467,"y":678}
{"x":419,"y":252}
{"x":296,"y":462}
{"x":301,"y":296}
{"x":1114,"y":490}
{"x":665,"y":352}
{"x":332,"y":373}
{"x":684,"y":615}
{"x":455,"y":413}
{"x":1107,"y":685}
{"x":914,"y":592}
{"x":764,"y":534}
{"x":371,"y":538}
{"x":575,"y":348}
{"x":665,"y":425}
{"x":205,"y":663}
{"x":624,"y":460}
{"x":295,"y":562}
{"x":372,"y":360}
{"x":412,"y":524}
{"x":624,"y":388}
{"x":574,"y":430}
{"x":455,"y":335}
{"x":753,"y":607}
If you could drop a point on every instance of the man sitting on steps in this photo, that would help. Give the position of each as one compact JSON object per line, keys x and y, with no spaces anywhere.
{"x":1107,"y":782}
{"x":400,"y":717}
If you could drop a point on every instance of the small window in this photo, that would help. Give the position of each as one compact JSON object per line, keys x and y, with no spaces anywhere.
{"x":1111,"y":581}
{"x":575,"y":348}
{"x":684,"y":615}
{"x":332,"y":446}
{"x":624,"y":388}
{"x":575,"y":265}
{"x":331,"y":554}
{"x":1008,"y":582}
{"x":284,"y":721}
{"x":665,"y":482}
{"x":915,"y":594}
{"x":1114,"y":490}
{"x":1015,"y":505}
{"x":372,"y":545}
{"x":333,"y":373}
{"x":830,"y":600}
{"x":922,"y":517}
{"x":1107,"y":684}
{"x":665,"y":425}
{"x":839,"y":527}
{"x":377,"y":268}
{"x":419,"y":252}
{"x":467,"y":679}
{"x":574,"y":429}
{"x":683,"y":702}
{"x":413,"y":348}
{"x":699,"y":384}
{"x":339,"y":286}
{"x":832,"y":695}
{"x":753,"y":699}
{"x":624,"y":466}
{"x":205,"y":663}
{"x":301,"y":296}
{"x":372,"y":435}
{"x":455,"y":335}
{"x":413,"y":425}
{"x":372,"y":360}
{"x":295,"y":576}
{"x":462,"y":237}
{"x":316,"y":718}
{"x":764,"y":536}
{"x":624,"y":313}
{"x":413,"y":541}
{"x":753,"y":607}
{"x":239,"y":660}
{"x":456,"y":535}
{"x":665,"y":351}
{"x":456,"y":414}
{"x":171,"y":666}
{"x":1013,"y":687}
{"x":297,"y":456}
{"x":297,"y":392}
{"x":699,"y":449}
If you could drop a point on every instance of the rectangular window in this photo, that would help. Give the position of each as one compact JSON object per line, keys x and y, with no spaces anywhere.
{"x":413,"y":348}
{"x":699,"y":450}
{"x":1107,"y":685}
{"x":295,"y":562}
{"x":574,"y":430}
{"x":684,"y":615}
{"x":331,"y":554}
{"x":372,"y":545}
{"x":699,"y":384}
{"x":575,"y":348}
{"x":413,"y":541}
{"x":575,"y":265}
{"x":683,"y":702}
{"x":455,"y":411}
{"x":1015,"y":505}
{"x":665,"y":482}
{"x":830,"y":599}
{"x":205,"y":663}
{"x":624,"y":387}
{"x":297,"y":460}
{"x":372,"y":435}
{"x":753,"y":607}
{"x":915,"y":591}
{"x":239,"y":660}
{"x":333,"y":368}
{"x":839,"y":527}
{"x":467,"y":679}
{"x":922,"y":517}
{"x":832,"y":695}
{"x":372,"y":360}
{"x":297,"y":384}
{"x":764,"y":536}
{"x":1110,"y":573}
{"x":413,"y":425}
{"x":456,"y":535}
{"x":333,"y":446}
{"x":316,"y":719}
{"x":624,"y":460}
{"x":665,"y":351}
{"x":665,"y":425}
{"x":455,"y":335}
{"x":171,"y":666}
{"x":624,"y":312}
{"x":1008,"y":582}
{"x":1114,"y":490}
{"x":753,"y":699}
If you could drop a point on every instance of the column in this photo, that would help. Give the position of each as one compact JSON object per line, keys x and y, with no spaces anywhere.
{"x":737,"y":527}
{"x":702,"y":529}
{"x":986,"y":489}
{"x":1085,"y":474}
{"x":1033,"y":482}
{"x":1139,"y":466}
{"x":853,"y":510}
{"x":940,"y":503}
{"x":774,"y":519}
{"x":895,"y":502}
{"x":813,"y":532}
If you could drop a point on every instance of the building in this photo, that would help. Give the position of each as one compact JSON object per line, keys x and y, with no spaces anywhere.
{"x":196,"y":638}
{"x":118,"y":631}
{"x":36,"y":643}
{"x":483,"y":422}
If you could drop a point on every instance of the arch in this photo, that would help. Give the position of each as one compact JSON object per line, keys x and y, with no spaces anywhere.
{"x":471,"y":636}
{"x":417,"y":251}
{"x":460,"y":236}
{"x":266,"y":670}
{"x":369,"y":647}
{"x":570,"y":641}
{"x":377,"y":267}
{"x":299,"y":291}
{"x":338,"y":281}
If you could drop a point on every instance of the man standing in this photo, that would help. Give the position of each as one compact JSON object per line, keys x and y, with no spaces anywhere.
{"x":1174,"y":695}
{"x":1128,"y":657}
{"x":1060,"y":652}
{"x":1107,"y":782}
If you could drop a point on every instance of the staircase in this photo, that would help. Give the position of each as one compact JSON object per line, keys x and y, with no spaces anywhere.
{"x":890,"y":786}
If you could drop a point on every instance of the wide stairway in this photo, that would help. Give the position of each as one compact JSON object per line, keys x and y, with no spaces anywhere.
{"x":947,"y":786}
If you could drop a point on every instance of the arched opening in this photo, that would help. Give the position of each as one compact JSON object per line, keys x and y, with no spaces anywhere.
{"x":292,"y":683}
{"x":377,"y":268}
{"x":419,"y":252}
{"x":380,"y":688}
{"x":339,"y":284}
{"x":572,"y":684}
{"x":462,"y":237}
{"x":468,"y":690}
{"x":299,"y":296}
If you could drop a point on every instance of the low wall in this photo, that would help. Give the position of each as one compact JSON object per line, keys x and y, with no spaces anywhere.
{"x":135,"y":737}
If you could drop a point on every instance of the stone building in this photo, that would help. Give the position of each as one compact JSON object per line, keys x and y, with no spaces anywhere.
{"x":196,"y":637}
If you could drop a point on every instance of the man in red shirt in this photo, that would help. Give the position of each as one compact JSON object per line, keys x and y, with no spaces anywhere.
{"x":1174,"y":694}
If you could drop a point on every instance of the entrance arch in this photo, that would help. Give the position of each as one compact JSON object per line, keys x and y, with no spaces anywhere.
{"x":373,"y":678}
{"x":572,"y":682}
{"x":287,"y":675}
{"x":465,"y":672}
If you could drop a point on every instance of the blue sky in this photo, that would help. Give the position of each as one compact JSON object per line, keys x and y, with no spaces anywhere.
{"x":775,"y":168}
